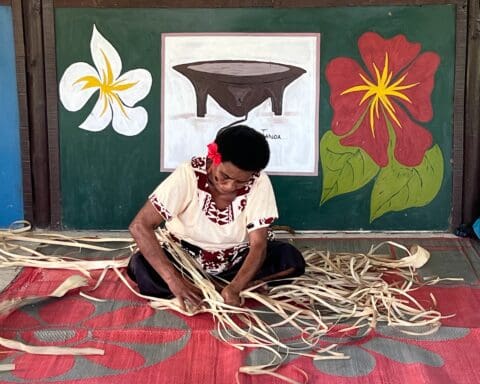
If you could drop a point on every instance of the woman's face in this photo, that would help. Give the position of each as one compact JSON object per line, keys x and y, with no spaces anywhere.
{"x":228,"y":178}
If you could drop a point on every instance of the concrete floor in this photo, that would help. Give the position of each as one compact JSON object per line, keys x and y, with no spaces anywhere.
{"x":7,"y":275}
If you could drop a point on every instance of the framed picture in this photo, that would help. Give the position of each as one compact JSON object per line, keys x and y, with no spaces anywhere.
{"x":268,"y":81}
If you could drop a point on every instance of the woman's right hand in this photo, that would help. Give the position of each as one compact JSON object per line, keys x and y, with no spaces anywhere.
{"x":142,"y":229}
{"x":185,"y":291}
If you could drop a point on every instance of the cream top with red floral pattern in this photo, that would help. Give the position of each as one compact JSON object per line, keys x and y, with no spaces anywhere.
{"x":184,"y":201}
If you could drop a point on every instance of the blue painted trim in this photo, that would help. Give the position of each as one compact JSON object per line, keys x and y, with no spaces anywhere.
{"x":11,"y":191}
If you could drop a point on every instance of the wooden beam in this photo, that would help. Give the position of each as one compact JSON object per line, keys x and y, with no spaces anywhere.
{"x":240,"y":3}
{"x":459,"y":114}
{"x":36,"y":111}
{"x":17,"y":16}
{"x":51,"y":95}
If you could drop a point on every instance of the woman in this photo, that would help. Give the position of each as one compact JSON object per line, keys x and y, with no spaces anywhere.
{"x":218,"y":208}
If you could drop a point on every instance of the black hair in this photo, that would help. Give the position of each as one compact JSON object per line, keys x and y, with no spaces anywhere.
{"x":244,"y":147}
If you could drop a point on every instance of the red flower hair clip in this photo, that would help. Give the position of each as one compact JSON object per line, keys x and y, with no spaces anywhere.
{"x":213,"y":153}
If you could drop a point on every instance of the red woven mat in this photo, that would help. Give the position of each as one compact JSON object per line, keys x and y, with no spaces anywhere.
{"x":147,"y":346}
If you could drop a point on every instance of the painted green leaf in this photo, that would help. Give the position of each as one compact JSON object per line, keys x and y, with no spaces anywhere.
{"x":345,"y":169}
{"x":398,"y":187}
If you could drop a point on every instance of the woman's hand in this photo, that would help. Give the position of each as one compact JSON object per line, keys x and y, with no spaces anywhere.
{"x":185,"y":291}
{"x":231,"y":295}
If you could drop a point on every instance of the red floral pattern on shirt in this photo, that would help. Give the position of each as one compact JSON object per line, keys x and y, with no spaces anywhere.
{"x":199,"y":162}
{"x":214,"y":262}
{"x":161,"y":209}
{"x":219,"y":216}
{"x":219,"y":261}
{"x":260,"y":223}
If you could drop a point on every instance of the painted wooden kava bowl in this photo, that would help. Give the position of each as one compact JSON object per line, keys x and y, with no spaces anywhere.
{"x":239,"y":85}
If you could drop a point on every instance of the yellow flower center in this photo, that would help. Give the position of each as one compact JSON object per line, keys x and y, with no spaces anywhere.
{"x":107,"y":85}
{"x":379,"y":93}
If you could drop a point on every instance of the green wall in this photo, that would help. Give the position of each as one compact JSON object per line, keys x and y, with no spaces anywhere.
{"x":106,"y":177}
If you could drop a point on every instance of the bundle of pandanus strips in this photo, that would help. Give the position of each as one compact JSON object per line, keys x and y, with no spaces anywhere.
{"x":345,"y":290}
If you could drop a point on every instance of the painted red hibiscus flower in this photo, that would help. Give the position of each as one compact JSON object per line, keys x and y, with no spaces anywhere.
{"x":384,"y":103}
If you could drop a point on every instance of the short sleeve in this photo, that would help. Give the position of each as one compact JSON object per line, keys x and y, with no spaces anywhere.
{"x":174,"y":193}
{"x":261,"y":209}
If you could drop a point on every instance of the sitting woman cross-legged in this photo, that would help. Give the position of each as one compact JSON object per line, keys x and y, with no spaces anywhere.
{"x":217,"y":208}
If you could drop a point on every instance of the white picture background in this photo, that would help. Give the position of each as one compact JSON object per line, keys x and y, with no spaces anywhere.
{"x":293,"y":136}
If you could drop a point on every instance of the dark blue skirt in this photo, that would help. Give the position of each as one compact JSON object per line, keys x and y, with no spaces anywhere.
{"x":280,"y":257}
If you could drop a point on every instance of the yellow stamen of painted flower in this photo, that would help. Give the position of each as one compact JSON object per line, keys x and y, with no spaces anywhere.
{"x":379,"y":93}
{"x":108,"y":87}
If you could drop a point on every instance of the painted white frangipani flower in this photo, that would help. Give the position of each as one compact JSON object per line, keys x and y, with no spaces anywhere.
{"x":117,"y":94}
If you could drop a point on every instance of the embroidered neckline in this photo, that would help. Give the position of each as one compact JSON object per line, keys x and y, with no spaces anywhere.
{"x":210,"y":209}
